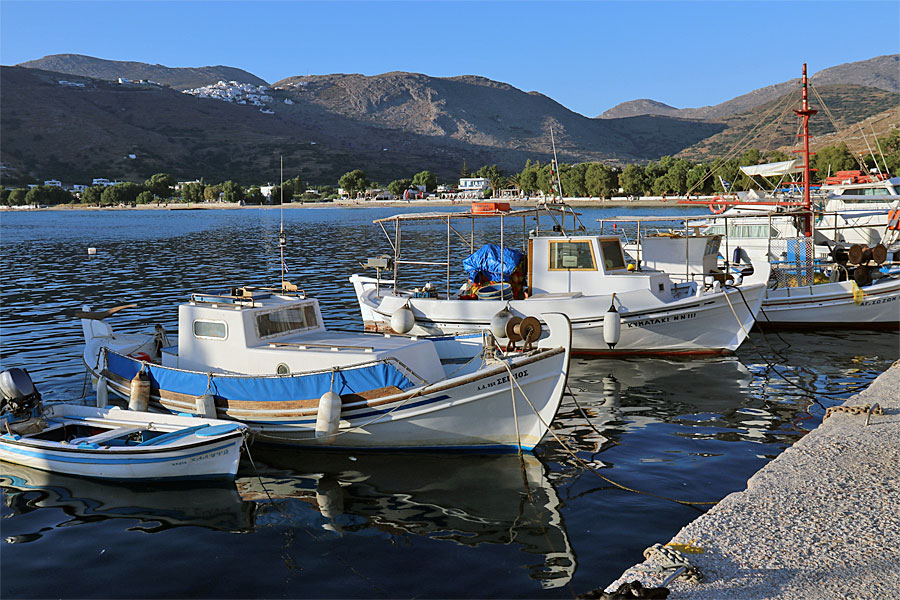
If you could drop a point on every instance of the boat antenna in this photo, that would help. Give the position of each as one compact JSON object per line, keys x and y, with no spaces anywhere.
{"x":805,"y":113}
{"x":556,"y":163}
{"x":869,"y":148}
{"x":282,"y":241}
{"x":887,"y":171}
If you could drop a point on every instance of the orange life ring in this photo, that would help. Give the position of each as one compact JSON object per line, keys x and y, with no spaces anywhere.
{"x":717,"y":209}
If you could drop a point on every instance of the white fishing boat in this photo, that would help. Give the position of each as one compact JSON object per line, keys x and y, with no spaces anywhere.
{"x":614,"y":310}
{"x":111,"y":443}
{"x":264,"y":357}
{"x":806,"y":288}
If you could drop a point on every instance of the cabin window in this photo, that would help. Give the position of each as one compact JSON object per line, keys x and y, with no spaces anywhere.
{"x":613,"y":259}
{"x":572,"y":256}
{"x":216,"y":330}
{"x":285,"y":320}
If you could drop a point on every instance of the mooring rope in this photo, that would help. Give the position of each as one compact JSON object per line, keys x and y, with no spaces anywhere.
{"x":586,"y":465}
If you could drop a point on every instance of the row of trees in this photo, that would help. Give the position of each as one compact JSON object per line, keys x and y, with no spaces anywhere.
{"x":667,"y":176}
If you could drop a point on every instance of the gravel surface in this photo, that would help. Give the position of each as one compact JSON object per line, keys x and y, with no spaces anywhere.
{"x":820,"y":521}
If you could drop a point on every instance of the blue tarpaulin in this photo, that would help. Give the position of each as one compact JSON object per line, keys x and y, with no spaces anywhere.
{"x":487,"y":260}
{"x":288,"y":387}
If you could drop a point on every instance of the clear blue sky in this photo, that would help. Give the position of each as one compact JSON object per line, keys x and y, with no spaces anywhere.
{"x":589,"y":56}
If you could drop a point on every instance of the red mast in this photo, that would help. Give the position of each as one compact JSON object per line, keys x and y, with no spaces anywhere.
{"x":805,"y":112}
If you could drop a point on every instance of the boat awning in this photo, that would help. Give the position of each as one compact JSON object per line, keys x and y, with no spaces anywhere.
{"x":777,"y":169}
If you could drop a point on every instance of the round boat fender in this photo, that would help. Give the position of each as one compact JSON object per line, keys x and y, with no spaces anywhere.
{"x":139,"y":398}
{"x":328,"y":418}
{"x":498,"y":322}
{"x":403,"y":319}
{"x":102,"y":392}
{"x":612,"y":325}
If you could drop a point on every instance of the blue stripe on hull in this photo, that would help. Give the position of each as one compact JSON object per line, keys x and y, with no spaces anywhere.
{"x":83,"y":459}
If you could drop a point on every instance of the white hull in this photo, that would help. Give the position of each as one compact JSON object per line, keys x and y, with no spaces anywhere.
{"x":710,"y":323}
{"x":833,"y":304}
{"x":190,"y":456}
{"x":472,"y":411}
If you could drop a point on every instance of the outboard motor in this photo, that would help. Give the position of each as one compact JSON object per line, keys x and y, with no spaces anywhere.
{"x":18,"y":396}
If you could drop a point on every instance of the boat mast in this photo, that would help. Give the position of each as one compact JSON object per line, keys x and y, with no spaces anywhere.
{"x":805,"y":113}
{"x":282,"y":241}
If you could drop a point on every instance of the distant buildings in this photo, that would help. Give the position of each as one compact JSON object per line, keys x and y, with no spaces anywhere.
{"x":472,"y":187}
{"x":236,"y":93}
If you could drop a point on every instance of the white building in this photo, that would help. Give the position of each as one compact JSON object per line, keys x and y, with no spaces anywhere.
{"x":53,"y":183}
{"x":102,"y":181}
{"x":473,"y":187}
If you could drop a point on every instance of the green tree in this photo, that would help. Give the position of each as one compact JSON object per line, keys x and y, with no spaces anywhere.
{"x":634,"y":181}
{"x":17,"y":197}
{"x":398,"y":186}
{"x":145,"y":197}
{"x":494,"y":176}
{"x":426,"y":178}
{"x":192,"y":192}
{"x":464,"y":172}
{"x":528,"y":178}
{"x":161,"y":185}
{"x":830,"y":159}
{"x":211,"y":192}
{"x":254,"y":196}
{"x":48,"y":195}
{"x":233,"y":191}
{"x":353,"y":182}
{"x":600,"y":180}
{"x":92,"y":194}
{"x":121,"y":193}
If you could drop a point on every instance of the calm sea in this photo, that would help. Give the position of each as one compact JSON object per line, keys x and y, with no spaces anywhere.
{"x":300,"y":524}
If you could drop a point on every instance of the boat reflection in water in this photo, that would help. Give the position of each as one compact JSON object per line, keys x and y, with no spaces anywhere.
{"x":714,"y":397}
{"x":156,"y":505}
{"x":462,"y":498}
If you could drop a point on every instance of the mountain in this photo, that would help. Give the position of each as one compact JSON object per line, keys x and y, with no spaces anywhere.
{"x":76,"y":122}
{"x":772,"y":125}
{"x":489,"y":114}
{"x":112,"y":70}
{"x":644,"y":106}
{"x":392,"y":126}
{"x":881,"y":72}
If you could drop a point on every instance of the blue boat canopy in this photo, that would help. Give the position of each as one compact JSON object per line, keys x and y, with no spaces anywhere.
{"x":487,"y":260}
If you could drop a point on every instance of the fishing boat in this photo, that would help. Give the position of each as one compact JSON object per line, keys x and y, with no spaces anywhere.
{"x":263,"y":356}
{"x":614,"y":309}
{"x":856,"y":287}
{"x":111,"y":443}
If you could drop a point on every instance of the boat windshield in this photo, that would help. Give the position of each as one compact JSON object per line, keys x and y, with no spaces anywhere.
{"x":286,"y":320}
{"x":613,"y":258}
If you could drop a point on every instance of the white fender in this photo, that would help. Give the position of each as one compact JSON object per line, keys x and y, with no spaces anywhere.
{"x":102,"y":392}
{"x":612,"y":325}
{"x":328,"y":418}
{"x":498,"y":323}
{"x":206,"y":406}
{"x":403,"y":320}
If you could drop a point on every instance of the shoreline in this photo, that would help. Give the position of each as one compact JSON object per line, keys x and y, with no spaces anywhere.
{"x":616,"y":202}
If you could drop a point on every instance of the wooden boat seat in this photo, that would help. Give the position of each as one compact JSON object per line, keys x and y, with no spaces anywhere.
{"x":107,"y":435}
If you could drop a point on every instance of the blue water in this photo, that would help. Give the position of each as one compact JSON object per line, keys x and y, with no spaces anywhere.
{"x":337,"y":525}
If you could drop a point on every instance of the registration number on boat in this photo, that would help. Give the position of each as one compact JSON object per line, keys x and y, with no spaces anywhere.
{"x":502,"y":380}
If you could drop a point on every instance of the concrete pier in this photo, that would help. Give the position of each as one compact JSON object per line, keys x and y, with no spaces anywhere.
{"x":821,"y":521}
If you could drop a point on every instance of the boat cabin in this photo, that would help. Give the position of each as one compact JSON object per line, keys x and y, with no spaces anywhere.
{"x":262,"y":332}
{"x":592,"y":265}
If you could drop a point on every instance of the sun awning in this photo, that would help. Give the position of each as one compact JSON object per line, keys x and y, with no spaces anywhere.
{"x":777,"y":169}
